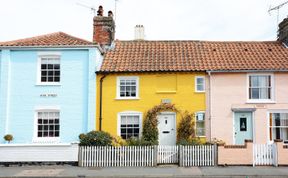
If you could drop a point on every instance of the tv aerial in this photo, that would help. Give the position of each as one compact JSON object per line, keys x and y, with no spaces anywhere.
{"x":92,"y":9}
{"x":278,"y":9}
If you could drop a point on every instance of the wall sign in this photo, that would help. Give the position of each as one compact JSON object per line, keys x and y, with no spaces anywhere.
{"x":48,"y":95}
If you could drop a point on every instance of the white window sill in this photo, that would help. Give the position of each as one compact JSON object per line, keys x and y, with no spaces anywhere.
{"x":46,"y":140}
{"x":261,"y":101}
{"x":199,"y":91}
{"x":134,"y":98}
{"x":201,"y":136}
{"x":48,"y":84}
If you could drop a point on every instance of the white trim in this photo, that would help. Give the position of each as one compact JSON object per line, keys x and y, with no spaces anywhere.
{"x":51,"y":108}
{"x":204,"y":83}
{"x":7,"y":131}
{"x":250,"y":101}
{"x":203,"y":121}
{"x":38,"y":72}
{"x":129,"y":113}
{"x":37,"y":139}
{"x":118,"y":97}
{"x":49,"y":53}
{"x":233,"y":123}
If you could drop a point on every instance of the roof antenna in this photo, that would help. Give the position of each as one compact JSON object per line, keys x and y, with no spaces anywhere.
{"x":278,"y":9}
{"x":88,"y":7}
{"x":115,"y":9}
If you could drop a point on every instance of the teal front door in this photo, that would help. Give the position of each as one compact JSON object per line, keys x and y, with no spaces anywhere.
{"x":243,"y":127}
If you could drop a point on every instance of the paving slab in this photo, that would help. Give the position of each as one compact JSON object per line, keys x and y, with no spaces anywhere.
{"x":67,"y":171}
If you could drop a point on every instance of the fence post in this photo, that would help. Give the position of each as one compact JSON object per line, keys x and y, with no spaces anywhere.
{"x":275,"y":154}
{"x":79,"y":156}
{"x":180,"y":155}
{"x":215,"y":154}
{"x":254,"y":154}
{"x":155,"y":154}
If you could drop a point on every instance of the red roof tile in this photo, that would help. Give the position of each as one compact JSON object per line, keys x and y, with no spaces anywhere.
{"x":52,"y":39}
{"x":144,"y":56}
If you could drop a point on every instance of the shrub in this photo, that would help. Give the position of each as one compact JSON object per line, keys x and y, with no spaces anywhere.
{"x":118,"y":141}
{"x":185,"y":130}
{"x":95,"y":138}
{"x":191,"y":141}
{"x":138,"y":142}
{"x":8,"y":137}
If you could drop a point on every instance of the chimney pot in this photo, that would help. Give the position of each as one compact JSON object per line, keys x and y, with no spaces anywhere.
{"x":139,"y":32}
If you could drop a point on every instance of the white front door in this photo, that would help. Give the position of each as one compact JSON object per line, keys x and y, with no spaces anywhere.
{"x":167,"y":129}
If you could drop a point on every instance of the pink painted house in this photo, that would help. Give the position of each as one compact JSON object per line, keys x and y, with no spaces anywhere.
{"x":247,"y":94}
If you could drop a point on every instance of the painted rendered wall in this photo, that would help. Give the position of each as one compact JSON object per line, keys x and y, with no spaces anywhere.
{"x":182,"y":95}
{"x":229,"y":90}
{"x":75,"y":94}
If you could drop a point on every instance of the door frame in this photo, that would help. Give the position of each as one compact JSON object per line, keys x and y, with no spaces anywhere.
{"x":253,"y":123}
{"x":168,"y":113}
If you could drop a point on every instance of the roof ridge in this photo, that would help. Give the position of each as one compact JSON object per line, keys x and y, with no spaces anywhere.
{"x":270,"y":41}
{"x":55,"y":38}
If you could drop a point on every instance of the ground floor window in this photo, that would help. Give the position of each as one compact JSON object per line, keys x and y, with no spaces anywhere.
{"x":200,"y":124}
{"x":130,"y":125}
{"x":48,"y":124}
{"x":279,"y":126}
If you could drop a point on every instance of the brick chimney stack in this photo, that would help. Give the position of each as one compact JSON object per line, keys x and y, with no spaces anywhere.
{"x":103,"y":28}
{"x":283,"y":31}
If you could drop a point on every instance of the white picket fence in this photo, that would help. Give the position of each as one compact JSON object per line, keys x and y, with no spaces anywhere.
{"x":146,"y":156}
{"x":167,"y":154}
{"x":107,"y":156}
{"x":197,"y":155}
{"x":264,"y":154}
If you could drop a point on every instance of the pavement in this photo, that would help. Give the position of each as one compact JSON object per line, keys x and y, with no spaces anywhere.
{"x":167,"y":171}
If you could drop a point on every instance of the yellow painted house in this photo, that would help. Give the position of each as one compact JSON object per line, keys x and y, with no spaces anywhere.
{"x":137,"y":75}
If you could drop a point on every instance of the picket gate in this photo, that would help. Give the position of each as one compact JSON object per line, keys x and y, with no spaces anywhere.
{"x":197,"y":155}
{"x":167,"y":154}
{"x":264,"y":154}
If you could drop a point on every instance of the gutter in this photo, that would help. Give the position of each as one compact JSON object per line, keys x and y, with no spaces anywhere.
{"x":238,"y":71}
{"x":100,"y":104}
{"x":210,"y":106}
{"x":52,"y":46}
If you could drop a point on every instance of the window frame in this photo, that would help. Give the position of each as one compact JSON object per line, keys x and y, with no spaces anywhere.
{"x":269,"y":127}
{"x":129,"y":113}
{"x":196,"y":84}
{"x":271,"y":100}
{"x":39,"y":62}
{"x":37,"y":139}
{"x":118,"y":97}
{"x":196,"y":113}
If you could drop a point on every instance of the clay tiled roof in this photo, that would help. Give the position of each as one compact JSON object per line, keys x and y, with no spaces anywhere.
{"x":52,"y":39}
{"x":148,"y":56}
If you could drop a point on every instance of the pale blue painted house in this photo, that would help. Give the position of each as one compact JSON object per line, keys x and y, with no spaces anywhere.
{"x":48,"y":88}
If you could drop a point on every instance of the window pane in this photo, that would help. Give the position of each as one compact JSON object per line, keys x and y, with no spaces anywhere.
{"x":200,"y":88}
{"x":254,"y":81}
{"x":200,"y":81}
{"x":255,"y":93}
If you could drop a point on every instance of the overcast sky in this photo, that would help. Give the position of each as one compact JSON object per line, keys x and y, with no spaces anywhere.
{"x":221,"y":20}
